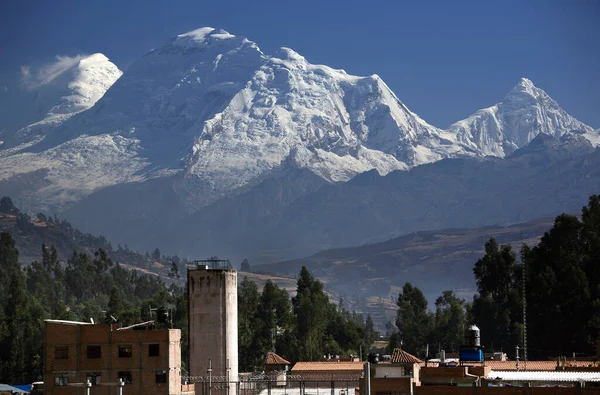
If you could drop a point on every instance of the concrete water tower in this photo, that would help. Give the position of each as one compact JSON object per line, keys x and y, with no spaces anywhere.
{"x":213,"y":324}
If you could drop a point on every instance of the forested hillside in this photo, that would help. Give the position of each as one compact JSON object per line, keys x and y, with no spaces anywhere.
{"x":86,"y":287}
{"x":562,"y":295}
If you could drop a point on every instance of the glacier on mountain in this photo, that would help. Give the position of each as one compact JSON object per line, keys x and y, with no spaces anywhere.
{"x":58,"y":91}
{"x":212,"y":108}
{"x":511,"y":124}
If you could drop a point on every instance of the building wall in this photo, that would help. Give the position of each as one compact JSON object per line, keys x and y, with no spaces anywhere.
{"x":447,"y":390}
{"x":398,"y":385}
{"x":143,"y":368}
{"x":213,"y":326}
{"x":390,"y":371}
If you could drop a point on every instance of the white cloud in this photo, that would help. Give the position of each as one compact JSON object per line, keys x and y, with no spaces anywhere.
{"x":45,"y":73}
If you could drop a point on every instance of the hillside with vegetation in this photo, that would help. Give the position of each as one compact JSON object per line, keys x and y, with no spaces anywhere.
{"x":561,"y":278}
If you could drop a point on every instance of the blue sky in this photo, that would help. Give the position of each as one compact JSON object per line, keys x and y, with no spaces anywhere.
{"x":444,"y":59}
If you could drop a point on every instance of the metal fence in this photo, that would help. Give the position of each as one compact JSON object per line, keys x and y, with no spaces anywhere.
{"x":275,"y":384}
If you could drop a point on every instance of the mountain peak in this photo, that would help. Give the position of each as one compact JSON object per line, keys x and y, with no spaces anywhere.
{"x":203,"y":33}
{"x":514,"y":122}
{"x":285,"y":53}
{"x":526,"y":87}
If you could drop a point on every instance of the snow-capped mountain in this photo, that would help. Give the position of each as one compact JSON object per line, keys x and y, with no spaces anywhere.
{"x":214,"y":113}
{"x":511,"y":124}
{"x":214,"y":107}
{"x":334,"y":124}
{"x":59,"y":91}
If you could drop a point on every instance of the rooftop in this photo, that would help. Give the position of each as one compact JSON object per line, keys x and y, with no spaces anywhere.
{"x":274,"y":359}
{"x":328,"y":366}
{"x":401,"y":356}
{"x":545,"y":376}
{"x":63,"y":322}
{"x":533,"y":365}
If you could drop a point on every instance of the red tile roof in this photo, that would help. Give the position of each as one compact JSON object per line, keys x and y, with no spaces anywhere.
{"x":274,"y":359}
{"x":401,"y":356}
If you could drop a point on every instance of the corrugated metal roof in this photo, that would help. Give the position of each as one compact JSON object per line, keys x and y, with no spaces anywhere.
{"x":532,"y":365}
{"x":327,"y":366}
{"x":10,"y":388}
{"x":545,"y":376}
{"x":512,"y":365}
{"x":401,"y":356}
{"x":274,"y":359}
{"x":65,"y":322}
{"x":139,"y":325}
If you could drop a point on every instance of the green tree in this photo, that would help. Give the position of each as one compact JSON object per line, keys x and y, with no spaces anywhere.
{"x":449,"y":321}
{"x":310,"y":307}
{"x":248,"y":297}
{"x":414,"y":322}
{"x":495,"y":308}
{"x":370,"y":335}
{"x":559,"y":290}
{"x":245,"y":265}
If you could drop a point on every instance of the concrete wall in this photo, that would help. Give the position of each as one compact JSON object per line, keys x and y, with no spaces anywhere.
{"x":213,"y":325}
{"x":388,"y":371}
{"x":447,"y":390}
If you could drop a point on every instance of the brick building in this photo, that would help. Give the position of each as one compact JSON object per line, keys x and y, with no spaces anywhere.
{"x":147,"y":360}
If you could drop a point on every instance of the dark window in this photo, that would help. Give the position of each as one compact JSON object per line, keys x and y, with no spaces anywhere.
{"x":161,"y":377}
{"x":60,"y":381}
{"x":125,"y":351}
{"x":61,"y":352}
{"x":125,"y":376}
{"x":94,"y":352}
{"x":153,"y":350}
{"x":94,"y":378}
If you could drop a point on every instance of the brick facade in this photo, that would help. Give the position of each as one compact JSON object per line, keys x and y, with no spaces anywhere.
{"x":150,"y":360}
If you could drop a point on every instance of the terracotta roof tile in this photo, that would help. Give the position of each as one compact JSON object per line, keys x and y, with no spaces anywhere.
{"x":327,"y":366}
{"x":401,"y":356}
{"x":274,"y":359}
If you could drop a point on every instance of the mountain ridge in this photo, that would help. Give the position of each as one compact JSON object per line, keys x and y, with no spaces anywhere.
{"x":214,"y":107}
{"x":200,"y":124}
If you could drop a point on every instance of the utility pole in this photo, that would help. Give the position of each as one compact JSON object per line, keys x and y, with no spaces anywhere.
{"x":524,"y":275}
{"x":524,"y":316}
{"x":209,"y":371}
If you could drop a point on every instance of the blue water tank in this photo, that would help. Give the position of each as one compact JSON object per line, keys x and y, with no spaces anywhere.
{"x":471,"y":355}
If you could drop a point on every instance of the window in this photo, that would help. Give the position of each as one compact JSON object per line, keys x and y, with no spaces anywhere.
{"x":60,"y":381}
{"x":94,"y":352}
{"x":153,"y":350}
{"x":161,"y":377}
{"x":125,"y":351}
{"x":94,"y":377}
{"x":125,"y":376}
{"x":61,"y":352}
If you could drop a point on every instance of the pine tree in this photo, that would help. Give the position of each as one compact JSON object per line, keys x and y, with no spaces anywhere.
{"x":414,"y":322}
